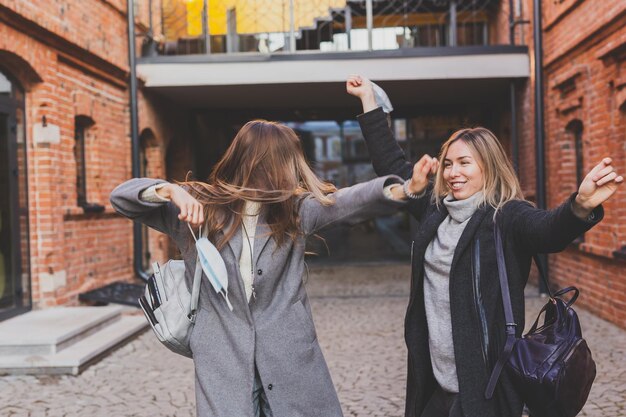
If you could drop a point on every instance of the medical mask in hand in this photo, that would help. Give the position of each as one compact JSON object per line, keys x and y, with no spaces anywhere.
{"x":214,"y":268}
{"x":382,"y":99}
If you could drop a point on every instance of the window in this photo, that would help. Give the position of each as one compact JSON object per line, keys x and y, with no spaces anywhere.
{"x":575,"y":129}
{"x":82,"y":126}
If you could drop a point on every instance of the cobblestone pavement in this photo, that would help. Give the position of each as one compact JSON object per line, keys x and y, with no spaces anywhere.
{"x":359,"y":315}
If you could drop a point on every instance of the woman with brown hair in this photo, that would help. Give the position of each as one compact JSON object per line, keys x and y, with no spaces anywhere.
{"x":454,"y":325}
{"x":258,"y":206}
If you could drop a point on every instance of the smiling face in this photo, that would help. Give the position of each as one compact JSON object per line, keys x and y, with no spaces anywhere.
{"x":462,"y":172}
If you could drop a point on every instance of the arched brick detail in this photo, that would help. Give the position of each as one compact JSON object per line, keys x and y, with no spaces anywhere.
{"x":19,"y":68}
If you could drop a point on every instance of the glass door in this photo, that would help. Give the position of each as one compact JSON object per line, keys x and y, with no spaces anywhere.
{"x":14,"y":266}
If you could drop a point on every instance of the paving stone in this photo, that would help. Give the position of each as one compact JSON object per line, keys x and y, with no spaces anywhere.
{"x":359,"y":315}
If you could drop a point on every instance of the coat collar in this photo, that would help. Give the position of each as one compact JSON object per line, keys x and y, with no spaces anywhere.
{"x":427,"y":229}
{"x":235,"y":241}
{"x":261,"y":237}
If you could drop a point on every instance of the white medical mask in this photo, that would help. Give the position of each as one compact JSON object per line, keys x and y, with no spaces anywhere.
{"x":213,"y":266}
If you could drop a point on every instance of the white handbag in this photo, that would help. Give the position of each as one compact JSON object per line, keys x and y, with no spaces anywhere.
{"x":169,"y":307}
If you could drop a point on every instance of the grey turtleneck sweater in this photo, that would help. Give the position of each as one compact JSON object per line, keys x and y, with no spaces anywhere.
{"x":437,"y":263}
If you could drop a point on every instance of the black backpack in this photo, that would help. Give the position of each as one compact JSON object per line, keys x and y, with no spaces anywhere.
{"x":551,"y":365}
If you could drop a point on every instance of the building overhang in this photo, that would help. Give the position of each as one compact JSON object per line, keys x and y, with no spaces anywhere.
{"x":437,"y":76}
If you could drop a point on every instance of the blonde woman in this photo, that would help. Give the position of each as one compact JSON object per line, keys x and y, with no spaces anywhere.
{"x":260,"y":203}
{"x":454,"y":326}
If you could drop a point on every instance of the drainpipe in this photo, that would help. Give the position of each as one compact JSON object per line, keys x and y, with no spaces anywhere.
{"x":134,"y":138}
{"x":514,"y":141}
{"x":539,"y":127}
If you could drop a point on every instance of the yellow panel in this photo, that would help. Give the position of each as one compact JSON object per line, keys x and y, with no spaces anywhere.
{"x":184,"y":17}
{"x":174,"y":19}
{"x":255,"y":16}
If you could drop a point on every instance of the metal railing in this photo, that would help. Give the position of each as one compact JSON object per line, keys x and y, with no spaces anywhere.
{"x":279,"y":26}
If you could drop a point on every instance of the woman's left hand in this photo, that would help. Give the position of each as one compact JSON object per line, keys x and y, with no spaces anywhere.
{"x":422,"y":170}
{"x":597,"y":187}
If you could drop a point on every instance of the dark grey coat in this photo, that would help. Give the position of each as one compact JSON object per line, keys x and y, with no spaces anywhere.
{"x":276,"y":329}
{"x":475,"y":302}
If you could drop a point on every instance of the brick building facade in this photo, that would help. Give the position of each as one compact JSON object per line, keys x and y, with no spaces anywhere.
{"x":64,"y":68}
{"x":584,"y":50}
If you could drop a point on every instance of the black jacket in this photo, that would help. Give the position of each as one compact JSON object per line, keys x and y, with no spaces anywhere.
{"x":476,"y":306}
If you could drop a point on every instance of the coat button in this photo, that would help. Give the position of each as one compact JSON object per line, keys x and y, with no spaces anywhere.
{"x":260,"y":272}
{"x":270,"y":386}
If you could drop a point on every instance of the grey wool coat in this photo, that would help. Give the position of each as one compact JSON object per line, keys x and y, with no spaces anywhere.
{"x":275,"y":331}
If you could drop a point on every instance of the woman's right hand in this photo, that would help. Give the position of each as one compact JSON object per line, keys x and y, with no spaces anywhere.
{"x":191,"y":210}
{"x":422,"y":170}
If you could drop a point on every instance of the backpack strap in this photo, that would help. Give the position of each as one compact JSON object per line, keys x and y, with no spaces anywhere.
{"x":508,"y":310}
{"x":511,"y":326}
{"x":197,"y":280}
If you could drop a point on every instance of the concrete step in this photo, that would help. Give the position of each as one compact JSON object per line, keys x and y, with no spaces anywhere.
{"x":49,"y":331}
{"x":76,"y":357}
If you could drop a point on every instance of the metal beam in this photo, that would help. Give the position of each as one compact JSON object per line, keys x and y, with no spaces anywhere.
{"x":134,"y":136}
{"x":369,"y":18}
{"x":452,"y":33}
{"x":540,"y":190}
{"x":205,"y":27}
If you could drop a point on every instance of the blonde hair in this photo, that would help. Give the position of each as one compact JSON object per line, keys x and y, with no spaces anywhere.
{"x":264,"y":163}
{"x":500,"y":183}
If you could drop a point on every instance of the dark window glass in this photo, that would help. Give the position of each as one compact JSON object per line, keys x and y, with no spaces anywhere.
{"x":81,"y":127}
{"x":15,"y":294}
{"x":578,"y":138}
{"x":575,"y":128}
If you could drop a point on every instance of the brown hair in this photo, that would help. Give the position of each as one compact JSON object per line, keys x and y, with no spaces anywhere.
{"x":264,"y":163}
{"x":500,"y":183}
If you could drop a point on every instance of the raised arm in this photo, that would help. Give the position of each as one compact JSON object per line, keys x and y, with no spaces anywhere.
{"x":544,"y":231}
{"x":387,"y":156}
{"x":352,"y":205}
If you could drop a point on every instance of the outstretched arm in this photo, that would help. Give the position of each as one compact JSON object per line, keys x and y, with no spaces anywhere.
{"x":544,"y":231}
{"x":352,"y":205}
{"x":174,"y":205}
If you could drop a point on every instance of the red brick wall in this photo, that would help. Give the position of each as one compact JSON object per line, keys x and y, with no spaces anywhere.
{"x":584,"y":69}
{"x":81,"y":250}
{"x":93,"y":25}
